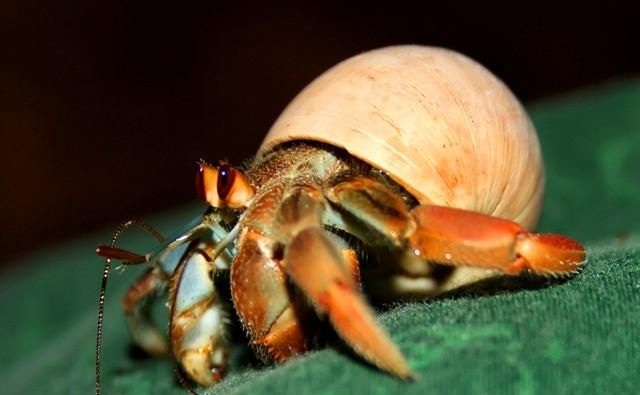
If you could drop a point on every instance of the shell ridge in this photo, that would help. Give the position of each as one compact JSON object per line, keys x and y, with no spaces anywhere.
{"x":469,"y":129}
{"x":426,"y":157}
{"x":514,"y":190}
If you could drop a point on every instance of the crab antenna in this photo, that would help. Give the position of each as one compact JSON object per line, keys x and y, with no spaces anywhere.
{"x":103,"y":286}
{"x":128,"y":257}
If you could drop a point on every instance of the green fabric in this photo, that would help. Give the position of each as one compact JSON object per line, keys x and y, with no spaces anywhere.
{"x":500,"y":337}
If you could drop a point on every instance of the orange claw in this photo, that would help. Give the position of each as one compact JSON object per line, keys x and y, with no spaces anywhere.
{"x":459,"y":237}
{"x":329,"y":284}
{"x":549,"y":253}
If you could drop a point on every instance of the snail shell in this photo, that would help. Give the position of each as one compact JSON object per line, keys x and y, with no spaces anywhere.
{"x":437,"y":122}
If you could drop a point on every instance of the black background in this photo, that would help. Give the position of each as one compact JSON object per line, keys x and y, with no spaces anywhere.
{"x":106,"y":105}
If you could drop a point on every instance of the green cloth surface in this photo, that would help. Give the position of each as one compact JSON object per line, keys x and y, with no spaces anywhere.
{"x":505,"y":336}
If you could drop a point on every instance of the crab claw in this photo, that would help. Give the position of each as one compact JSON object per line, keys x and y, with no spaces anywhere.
{"x":459,"y":237}
{"x":549,"y":253}
{"x":331,"y":288}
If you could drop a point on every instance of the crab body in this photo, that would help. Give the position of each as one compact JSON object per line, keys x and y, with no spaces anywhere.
{"x":296,"y":211}
{"x":313,"y":220}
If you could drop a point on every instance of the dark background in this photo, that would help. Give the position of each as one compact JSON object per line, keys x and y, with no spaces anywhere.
{"x":106,"y":105}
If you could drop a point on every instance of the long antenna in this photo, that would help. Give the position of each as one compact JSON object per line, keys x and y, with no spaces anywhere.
{"x":103,"y":286}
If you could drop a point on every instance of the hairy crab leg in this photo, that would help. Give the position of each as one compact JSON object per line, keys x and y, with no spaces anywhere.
{"x":458,"y":237}
{"x":276,"y":317}
{"x":262,"y":297}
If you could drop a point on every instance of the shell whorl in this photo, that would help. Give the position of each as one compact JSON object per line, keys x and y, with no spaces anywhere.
{"x":439,"y":123}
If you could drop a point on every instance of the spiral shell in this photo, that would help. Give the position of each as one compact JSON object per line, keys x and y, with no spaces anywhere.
{"x":437,"y":122}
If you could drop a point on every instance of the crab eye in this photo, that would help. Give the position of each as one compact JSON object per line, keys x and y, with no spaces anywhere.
{"x":224,"y":186}
{"x":226,"y":177}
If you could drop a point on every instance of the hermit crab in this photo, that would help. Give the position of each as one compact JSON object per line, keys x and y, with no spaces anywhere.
{"x":405,"y":171}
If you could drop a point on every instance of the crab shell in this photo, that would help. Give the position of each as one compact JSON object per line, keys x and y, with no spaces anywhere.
{"x":438,"y":123}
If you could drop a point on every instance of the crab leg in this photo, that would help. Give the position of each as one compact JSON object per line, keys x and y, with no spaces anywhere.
{"x":278,"y":320}
{"x":275,"y":317}
{"x":373,"y":204}
{"x":137,"y":303}
{"x":333,"y":291}
{"x":262,"y":299}
{"x":196,"y":315}
{"x":141,"y":295}
{"x":458,"y":237}
{"x":197,"y":319}
{"x":316,"y":264}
